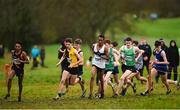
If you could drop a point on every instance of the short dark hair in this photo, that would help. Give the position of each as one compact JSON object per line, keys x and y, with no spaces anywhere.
{"x":107,"y":41}
{"x":68,"y":40}
{"x":78,"y":41}
{"x":128,"y":39}
{"x":102,"y":36}
{"x":157,"y":43}
{"x":135,"y":42}
{"x":115,"y":44}
{"x":161,"y":39}
{"x":19,"y":42}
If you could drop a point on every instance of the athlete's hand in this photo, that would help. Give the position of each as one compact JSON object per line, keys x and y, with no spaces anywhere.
{"x":145,"y":58}
{"x":58,"y":64}
{"x":155,"y":62}
{"x":70,"y":66}
{"x":116,"y":63}
{"x":136,"y":60}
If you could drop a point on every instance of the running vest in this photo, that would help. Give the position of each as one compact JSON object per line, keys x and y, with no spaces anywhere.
{"x":15,"y":59}
{"x":159,"y":58}
{"x":97,"y":59}
{"x":139,"y":64}
{"x":129,"y":55}
{"x":79,"y":52}
{"x":72,"y":56}
{"x":110,"y":63}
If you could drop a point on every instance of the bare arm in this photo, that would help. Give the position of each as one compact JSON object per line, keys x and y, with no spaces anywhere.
{"x":106,"y":51}
{"x":60,"y":61}
{"x":140,"y":52}
{"x":116,"y":57}
{"x":163,"y":54}
{"x":82,"y":56}
{"x":115,"y":51}
{"x":25,"y":58}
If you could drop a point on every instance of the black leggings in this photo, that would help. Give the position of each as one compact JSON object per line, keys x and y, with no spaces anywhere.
{"x":175,"y":72}
{"x":145,"y":64}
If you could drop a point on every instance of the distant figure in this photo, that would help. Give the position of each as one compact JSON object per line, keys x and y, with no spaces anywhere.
{"x":35,"y":52}
{"x":1,"y":50}
{"x":42,"y":56}
{"x":146,"y":55}
{"x":173,"y":59}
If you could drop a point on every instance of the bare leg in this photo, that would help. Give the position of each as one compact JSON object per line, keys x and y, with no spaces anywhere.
{"x":122,"y":79}
{"x":65,"y":76}
{"x":165,"y":82}
{"x":93,"y":73}
{"x":107,"y":78}
{"x":20,"y":81}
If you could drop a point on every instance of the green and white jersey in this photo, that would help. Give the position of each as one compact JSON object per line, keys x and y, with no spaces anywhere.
{"x":110,"y":63}
{"x":129,"y":55}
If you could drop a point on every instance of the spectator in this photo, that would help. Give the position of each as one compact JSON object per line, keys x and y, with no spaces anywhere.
{"x":173,"y":58}
{"x":35,"y":52}
{"x":42,"y":56}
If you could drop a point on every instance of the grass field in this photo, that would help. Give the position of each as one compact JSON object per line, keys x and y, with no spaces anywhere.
{"x":40,"y":85}
{"x":161,"y":28}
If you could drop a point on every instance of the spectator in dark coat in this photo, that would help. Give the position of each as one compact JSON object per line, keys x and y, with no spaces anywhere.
{"x":42,"y":56}
{"x":173,"y":58}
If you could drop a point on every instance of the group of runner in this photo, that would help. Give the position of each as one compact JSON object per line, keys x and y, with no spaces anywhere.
{"x":105,"y":63}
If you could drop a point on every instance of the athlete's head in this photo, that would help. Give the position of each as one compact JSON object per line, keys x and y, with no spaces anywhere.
{"x":18,"y":45}
{"x":101,"y":39}
{"x":107,"y":43}
{"x":114,"y":44}
{"x":68,"y":42}
{"x":157,"y":45}
{"x":77,"y":43}
{"x":135,"y":43}
{"x":128,"y":42}
{"x":162,"y":41}
{"x":143,"y":41}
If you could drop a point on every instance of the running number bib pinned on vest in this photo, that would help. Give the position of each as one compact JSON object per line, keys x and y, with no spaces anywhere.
{"x":97,"y":59}
{"x":72,"y":56}
{"x":129,"y":56}
{"x":110,"y":63}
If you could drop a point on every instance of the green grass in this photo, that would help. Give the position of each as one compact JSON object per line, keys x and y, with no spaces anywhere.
{"x":161,"y":28}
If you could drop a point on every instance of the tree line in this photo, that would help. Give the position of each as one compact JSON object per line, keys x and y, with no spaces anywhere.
{"x":49,"y":21}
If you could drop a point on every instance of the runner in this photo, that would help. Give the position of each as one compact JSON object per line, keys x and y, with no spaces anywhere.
{"x":98,"y":65}
{"x":129,"y":52}
{"x":159,"y":67}
{"x":138,"y":66}
{"x":72,"y":71}
{"x":19,"y":58}
{"x":77,"y":45}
